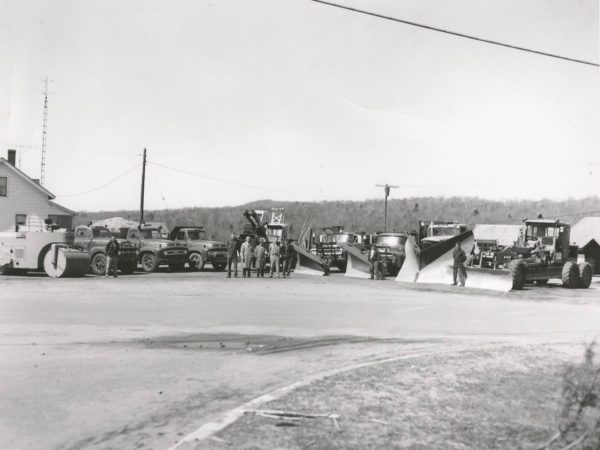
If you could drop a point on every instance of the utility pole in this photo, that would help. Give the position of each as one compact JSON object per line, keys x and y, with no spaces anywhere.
{"x":143,"y":183}
{"x":386,"y":188}
{"x":44,"y":128}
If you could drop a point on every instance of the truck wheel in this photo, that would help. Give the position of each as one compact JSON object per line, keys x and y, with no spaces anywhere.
{"x":518,"y":272}
{"x":99,"y":264}
{"x":585,"y":275}
{"x":149,"y":262}
{"x":570,"y":275}
{"x":196,"y":261}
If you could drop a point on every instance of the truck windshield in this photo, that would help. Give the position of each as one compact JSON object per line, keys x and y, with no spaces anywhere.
{"x":391,"y":241}
{"x":152,"y":233}
{"x":539,"y":231}
{"x":336,"y":238}
{"x":102,"y":233}
{"x":197,"y":235}
{"x":443,"y":231}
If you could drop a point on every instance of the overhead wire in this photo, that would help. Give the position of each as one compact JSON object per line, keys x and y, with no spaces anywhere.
{"x":102,"y":185}
{"x":454,"y":33}
{"x":235,"y":183}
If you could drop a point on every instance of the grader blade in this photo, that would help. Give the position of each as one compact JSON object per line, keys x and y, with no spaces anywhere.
{"x":308,"y":263}
{"x":496,"y":280}
{"x":358,"y":263}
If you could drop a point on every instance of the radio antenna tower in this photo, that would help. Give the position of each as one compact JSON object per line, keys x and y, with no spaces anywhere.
{"x":44,"y":128}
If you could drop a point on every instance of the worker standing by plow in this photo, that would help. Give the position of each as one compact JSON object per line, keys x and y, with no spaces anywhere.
{"x":375,"y":270}
{"x":288,"y":257}
{"x":458,"y":269}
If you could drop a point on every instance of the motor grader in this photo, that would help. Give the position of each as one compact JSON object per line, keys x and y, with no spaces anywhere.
{"x":541,"y":252}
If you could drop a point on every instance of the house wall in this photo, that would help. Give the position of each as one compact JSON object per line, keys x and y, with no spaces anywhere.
{"x":23,"y":198}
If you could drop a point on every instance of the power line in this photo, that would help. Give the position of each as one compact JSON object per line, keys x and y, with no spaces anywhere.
{"x":102,"y":185}
{"x":235,"y":183}
{"x":454,"y":33}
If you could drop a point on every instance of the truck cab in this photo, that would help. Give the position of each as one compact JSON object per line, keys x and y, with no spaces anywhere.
{"x":154,"y":250}
{"x":201,"y":250}
{"x":94,"y":240}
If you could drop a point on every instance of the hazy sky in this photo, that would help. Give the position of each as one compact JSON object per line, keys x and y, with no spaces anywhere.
{"x":300,"y":100}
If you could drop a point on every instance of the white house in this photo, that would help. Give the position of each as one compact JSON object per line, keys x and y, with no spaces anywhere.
{"x":22,"y":197}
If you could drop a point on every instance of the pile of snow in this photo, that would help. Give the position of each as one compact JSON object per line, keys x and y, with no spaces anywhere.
{"x":114,"y":224}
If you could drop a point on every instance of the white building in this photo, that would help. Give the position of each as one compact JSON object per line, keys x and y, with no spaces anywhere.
{"x":22,"y":198}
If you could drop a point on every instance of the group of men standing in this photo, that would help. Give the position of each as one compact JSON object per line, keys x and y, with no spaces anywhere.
{"x":254,"y":255}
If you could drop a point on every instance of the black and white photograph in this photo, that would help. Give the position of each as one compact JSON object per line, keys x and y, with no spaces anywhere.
{"x":299,"y":224}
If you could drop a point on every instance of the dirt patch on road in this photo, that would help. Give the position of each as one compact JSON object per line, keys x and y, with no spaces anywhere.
{"x":501,"y":398}
{"x":263,"y":344}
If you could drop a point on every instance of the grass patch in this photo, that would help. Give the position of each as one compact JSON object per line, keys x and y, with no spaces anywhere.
{"x":496,"y":399}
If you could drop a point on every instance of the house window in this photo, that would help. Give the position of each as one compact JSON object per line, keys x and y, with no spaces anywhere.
{"x":20,"y":220}
{"x":3,"y":186}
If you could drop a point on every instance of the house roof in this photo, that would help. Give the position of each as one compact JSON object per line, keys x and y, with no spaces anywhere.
{"x":35,"y":184}
{"x":504,"y":234}
{"x":585,"y":230}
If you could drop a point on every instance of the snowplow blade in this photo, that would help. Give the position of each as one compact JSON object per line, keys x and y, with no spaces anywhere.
{"x":477,"y":277}
{"x":308,"y":263}
{"x":418,"y":260}
{"x":358,"y":262}
{"x":409,"y":272}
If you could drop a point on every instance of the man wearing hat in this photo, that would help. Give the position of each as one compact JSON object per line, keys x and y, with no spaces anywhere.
{"x":260,"y":255}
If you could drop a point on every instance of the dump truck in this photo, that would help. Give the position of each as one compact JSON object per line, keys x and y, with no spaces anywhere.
{"x":541,"y":252}
{"x":431,"y":232}
{"x":326,"y":244}
{"x":154,"y":250}
{"x":391,"y":249}
{"x":201,"y":250}
{"x":93,"y":239}
{"x":50,"y":251}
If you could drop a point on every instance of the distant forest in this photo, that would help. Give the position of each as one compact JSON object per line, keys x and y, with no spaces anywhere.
{"x":403,"y":214}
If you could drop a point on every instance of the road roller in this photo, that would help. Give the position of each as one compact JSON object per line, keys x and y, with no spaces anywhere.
{"x":48,"y":251}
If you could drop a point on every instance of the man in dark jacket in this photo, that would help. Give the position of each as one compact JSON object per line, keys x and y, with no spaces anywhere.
{"x":459,"y":257}
{"x":232,"y":256}
{"x":287,"y":254}
{"x":112,"y":256}
{"x":375,"y":269}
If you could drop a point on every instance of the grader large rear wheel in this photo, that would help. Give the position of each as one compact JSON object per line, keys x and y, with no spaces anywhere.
{"x":585,"y":275}
{"x":517,"y":271}
{"x":570,"y":275}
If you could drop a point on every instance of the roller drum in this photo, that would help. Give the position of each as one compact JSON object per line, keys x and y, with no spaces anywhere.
{"x":69,"y":262}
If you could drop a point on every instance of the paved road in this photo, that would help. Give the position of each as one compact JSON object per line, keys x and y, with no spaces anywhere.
{"x":144,"y":359}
